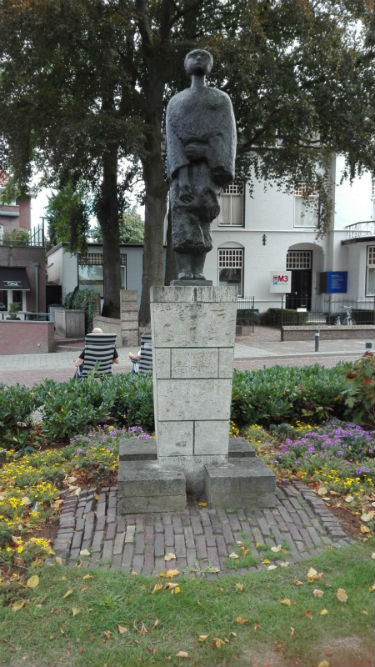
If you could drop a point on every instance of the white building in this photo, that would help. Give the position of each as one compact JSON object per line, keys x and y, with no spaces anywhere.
{"x":274,"y":232}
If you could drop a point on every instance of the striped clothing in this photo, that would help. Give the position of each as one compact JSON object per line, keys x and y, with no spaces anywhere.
{"x":99,"y":349}
{"x":145,"y":362}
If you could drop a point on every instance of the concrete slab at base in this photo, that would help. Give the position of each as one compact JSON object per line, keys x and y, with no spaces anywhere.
{"x":245,"y":482}
{"x":193,"y":468}
{"x":146,"y":486}
{"x":134,"y":449}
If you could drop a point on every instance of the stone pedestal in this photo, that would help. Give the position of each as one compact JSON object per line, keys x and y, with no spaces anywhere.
{"x":193,"y":333}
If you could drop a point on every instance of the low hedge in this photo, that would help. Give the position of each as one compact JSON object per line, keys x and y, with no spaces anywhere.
{"x":278,"y":316}
{"x":270,"y":396}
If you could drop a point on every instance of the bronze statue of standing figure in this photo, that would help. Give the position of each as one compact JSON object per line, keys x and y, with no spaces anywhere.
{"x":201,"y":151}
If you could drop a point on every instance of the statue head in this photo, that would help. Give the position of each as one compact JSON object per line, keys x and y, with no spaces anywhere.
{"x":198,"y":61}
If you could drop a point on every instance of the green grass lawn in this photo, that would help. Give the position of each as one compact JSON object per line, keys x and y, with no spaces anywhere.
{"x":80,"y":617}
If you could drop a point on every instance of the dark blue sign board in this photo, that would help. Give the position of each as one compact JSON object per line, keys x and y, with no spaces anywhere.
{"x":337,"y":282}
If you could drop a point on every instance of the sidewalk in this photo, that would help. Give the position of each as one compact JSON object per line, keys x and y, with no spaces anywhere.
{"x":257,"y":350}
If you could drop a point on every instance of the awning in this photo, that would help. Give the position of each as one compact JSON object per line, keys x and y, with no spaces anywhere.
{"x":14,"y":277}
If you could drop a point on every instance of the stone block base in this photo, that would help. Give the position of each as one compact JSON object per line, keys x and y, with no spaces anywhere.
{"x":245,"y":482}
{"x":146,"y":486}
{"x":133,"y":449}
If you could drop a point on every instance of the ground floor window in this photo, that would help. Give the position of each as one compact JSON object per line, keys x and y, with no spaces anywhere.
{"x":370,"y":277}
{"x":298,"y":259}
{"x":3,"y":299}
{"x":230,"y":265}
{"x":90,"y":271}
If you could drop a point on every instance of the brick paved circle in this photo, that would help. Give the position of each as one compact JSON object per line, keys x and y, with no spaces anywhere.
{"x":201,"y":538}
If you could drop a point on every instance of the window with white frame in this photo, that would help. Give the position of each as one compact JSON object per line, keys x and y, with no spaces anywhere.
{"x":230,"y":268}
{"x":298,"y":259}
{"x":370,"y":277}
{"x":231,"y":206}
{"x":1,"y":232}
{"x":90,"y":271}
{"x":305,"y":206}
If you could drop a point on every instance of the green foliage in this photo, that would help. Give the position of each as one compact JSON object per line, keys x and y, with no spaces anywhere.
{"x":286,"y":394}
{"x":132,"y":228}
{"x":275,"y":317}
{"x":16,"y":404}
{"x":16,"y":237}
{"x":68,"y":217}
{"x":359,"y":392}
{"x":83,"y":299}
{"x":69,"y":408}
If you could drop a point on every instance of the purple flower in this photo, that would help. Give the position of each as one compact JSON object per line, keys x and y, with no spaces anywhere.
{"x":80,"y":451}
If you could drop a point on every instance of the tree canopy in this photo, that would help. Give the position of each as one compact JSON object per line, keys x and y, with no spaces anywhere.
{"x":84,"y":83}
{"x":131,"y":228}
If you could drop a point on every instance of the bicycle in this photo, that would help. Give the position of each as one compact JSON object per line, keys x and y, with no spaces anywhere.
{"x":345,"y":317}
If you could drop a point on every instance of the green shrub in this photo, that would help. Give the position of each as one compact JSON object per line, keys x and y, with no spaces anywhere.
{"x":362,"y":316}
{"x":359,"y":393}
{"x":16,"y":404}
{"x":276,"y":317}
{"x":83,"y":299}
{"x":69,"y":408}
{"x":287,"y":394}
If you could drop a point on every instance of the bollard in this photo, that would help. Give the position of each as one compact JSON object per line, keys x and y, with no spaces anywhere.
{"x":317,"y":336}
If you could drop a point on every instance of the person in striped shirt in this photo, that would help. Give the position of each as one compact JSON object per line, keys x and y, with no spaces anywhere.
{"x":142,"y":361}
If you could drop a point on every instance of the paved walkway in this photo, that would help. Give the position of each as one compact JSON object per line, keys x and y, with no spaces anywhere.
{"x":257,"y":350}
{"x":202,"y":539}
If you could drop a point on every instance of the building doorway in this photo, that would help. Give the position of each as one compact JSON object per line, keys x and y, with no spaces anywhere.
{"x":299,"y":262}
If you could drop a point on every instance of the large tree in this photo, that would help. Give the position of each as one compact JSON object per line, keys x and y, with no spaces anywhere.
{"x":85,"y":82}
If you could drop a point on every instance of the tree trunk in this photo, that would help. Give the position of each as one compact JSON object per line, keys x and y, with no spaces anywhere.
{"x":156,"y":189}
{"x":107,"y":211}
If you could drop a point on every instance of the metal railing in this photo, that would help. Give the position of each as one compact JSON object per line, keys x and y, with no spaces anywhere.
{"x":25,"y":316}
{"x":332,"y":309}
{"x":358,"y":229}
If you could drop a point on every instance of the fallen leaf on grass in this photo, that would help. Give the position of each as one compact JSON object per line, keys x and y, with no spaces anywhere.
{"x":182,"y":654}
{"x":202,"y":504}
{"x":257,"y":626}
{"x":16,"y":606}
{"x":157,"y":587}
{"x":244,"y":552}
{"x":272,"y":567}
{"x":241,"y":620}
{"x":171,"y":585}
{"x":75,"y":611}
{"x":323,"y":612}
{"x":218,"y":642}
{"x":239,"y":586}
{"x":202,"y":638}
{"x":324,"y":663}
{"x":233,"y":555}
{"x":58,"y":560}
{"x":122,"y":629}
{"x":88,"y":576}
{"x":265,"y":561}
{"x":292,"y":631}
{"x":364,"y":529}
{"x":367,"y":516}
{"x":142,"y":630}
{"x":317,"y":593}
{"x":68,"y":592}
{"x":33,"y":581}
{"x":84,"y":552}
{"x":372,"y":588}
{"x":349,"y":499}
{"x":322,"y":491}
{"x":169,"y":574}
{"x":284,"y":563}
{"x":297,"y":582}
{"x":341,"y":595}
{"x":308,"y":613}
{"x":108,"y":634}
{"x":313,"y":575}
{"x":276,"y":549}
{"x":170,"y":556}
{"x":286,"y":601}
